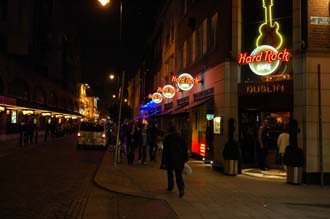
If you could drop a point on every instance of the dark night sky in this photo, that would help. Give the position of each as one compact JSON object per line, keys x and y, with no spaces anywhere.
{"x":99,"y":35}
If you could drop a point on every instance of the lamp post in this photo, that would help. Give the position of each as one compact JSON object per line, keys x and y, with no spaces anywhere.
{"x":121,"y":89}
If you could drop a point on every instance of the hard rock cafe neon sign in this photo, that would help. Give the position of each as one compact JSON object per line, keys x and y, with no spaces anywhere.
{"x":168,"y":91}
{"x":157,"y":97}
{"x":266,"y":59}
{"x":185,"y":81}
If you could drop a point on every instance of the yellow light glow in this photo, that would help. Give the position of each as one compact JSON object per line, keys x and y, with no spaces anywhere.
{"x":45,"y":114}
{"x":104,"y":2}
{"x":2,"y":109}
{"x":27,"y":112}
{"x":111,"y":77}
{"x":113,"y":96}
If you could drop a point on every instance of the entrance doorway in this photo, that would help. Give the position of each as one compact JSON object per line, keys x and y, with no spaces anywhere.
{"x":249,"y":123}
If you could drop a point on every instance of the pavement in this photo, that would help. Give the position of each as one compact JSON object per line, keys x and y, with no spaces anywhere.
{"x":208,"y":194}
{"x":211,"y":194}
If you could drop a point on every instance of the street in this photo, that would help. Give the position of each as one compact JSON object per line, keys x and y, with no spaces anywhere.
{"x":55,"y":180}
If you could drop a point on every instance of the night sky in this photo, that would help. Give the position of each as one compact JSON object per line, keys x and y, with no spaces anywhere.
{"x":101,"y":50}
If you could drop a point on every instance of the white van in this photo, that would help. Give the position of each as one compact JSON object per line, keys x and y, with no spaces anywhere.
{"x":91,"y":134}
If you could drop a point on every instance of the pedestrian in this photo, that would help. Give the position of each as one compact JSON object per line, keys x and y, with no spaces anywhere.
{"x":263,"y":145}
{"x":145,"y":142}
{"x":155,"y":136}
{"x":131,"y":142}
{"x":174,"y":156}
{"x":283,"y":141}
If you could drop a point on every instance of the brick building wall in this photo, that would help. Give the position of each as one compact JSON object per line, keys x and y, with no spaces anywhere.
{"x":318,"y":35}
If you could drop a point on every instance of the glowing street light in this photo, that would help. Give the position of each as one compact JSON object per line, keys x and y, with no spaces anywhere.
{"x":104,"y":2}
{"x":114,"y":96}
{"x":111,"y":76}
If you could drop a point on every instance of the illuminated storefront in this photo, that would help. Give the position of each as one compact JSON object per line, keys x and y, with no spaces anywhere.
{"x":266,"y":91}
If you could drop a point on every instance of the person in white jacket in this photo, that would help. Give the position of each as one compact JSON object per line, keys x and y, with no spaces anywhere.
{"x":283,"y":141}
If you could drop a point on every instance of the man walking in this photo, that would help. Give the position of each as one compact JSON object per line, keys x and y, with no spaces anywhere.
{"x":175,"y":154}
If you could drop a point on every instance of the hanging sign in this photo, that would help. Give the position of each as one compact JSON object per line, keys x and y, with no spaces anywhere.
{"x":185,"y":81}
{"x":168,"y":91}
{"x":157,"y":97}
{"x":265,"y":59}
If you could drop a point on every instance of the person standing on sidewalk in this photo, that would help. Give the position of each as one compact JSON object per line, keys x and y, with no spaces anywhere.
{"x":283,"y":141}
{"x":263,"y":145}
{"x":132,"y":138}
{"x":175,"y":154}
{"x":155,"y":138}
{"x":145,"y":142}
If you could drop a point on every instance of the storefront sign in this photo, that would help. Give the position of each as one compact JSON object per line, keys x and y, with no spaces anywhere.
{"x":265,"y":59}
{"x":157,"y":97}
{"x":217,"y":125}
{"x":320,"y":20}
{"x":168,"y":91}
{"x":185,"y":81}
{"x":280,"y":87}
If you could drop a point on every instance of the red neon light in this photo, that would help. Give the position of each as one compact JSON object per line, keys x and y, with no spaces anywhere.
{"x":202,"y":149}
{"x":267,"y":56}
{"x":184,"y":80}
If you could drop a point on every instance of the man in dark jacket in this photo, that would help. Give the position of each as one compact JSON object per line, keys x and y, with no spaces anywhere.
{"x":175,"y":154}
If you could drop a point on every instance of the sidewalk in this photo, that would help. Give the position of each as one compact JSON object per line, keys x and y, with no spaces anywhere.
{"x":210,"y":194}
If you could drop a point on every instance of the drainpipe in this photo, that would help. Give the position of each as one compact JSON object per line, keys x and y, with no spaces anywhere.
{"x":320,"y":125}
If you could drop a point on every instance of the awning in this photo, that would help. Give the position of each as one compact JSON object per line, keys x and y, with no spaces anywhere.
{"x":173,"y":110}
{"x":193,"y":105}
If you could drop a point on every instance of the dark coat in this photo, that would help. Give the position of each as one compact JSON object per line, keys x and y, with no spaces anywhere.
{"x":175,"y":152}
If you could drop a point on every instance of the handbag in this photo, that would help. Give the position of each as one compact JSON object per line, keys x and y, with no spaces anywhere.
{"x":187,"y":169}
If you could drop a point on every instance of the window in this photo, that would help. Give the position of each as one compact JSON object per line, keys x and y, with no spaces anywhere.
{"x":213,"y":30}
{"x":179,"y":59}
{"x":91,"y":127}
{"x":204,"y":36}
{"x":199,"y":41}
{"x":194,"y":44}
{"x":184,"y":57}
{"x":190,"y":50}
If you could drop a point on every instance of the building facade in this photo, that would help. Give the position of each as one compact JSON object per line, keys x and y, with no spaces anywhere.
{"x":254,"y":61}
{"x":39,"y":64}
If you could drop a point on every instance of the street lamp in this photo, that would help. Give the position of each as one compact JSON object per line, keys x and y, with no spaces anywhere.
{"x":121,"y":90}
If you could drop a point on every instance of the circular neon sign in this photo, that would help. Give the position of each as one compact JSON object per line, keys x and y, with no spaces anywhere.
{"x":185,"y":81}
{"x":265,"y":63}
{"x":157,"y":97}
{"x":168,"y":91}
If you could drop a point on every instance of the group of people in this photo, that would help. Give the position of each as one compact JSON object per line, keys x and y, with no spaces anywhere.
{"x":143,"y":139}
{"x":283,"y":141}
{"x":140,"y":137}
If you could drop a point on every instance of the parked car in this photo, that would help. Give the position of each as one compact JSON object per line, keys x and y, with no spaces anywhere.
{"x":91,"y":135}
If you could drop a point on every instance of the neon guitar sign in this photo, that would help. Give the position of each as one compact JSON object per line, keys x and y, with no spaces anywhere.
{"x":265,"y":59}
{"x":269,"y":34}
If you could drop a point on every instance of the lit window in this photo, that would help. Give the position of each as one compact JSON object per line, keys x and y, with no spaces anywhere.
{"x":13,"y":118}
